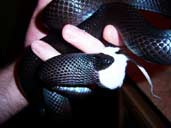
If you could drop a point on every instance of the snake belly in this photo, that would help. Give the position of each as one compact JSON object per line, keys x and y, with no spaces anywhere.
{"x":140,"y":37}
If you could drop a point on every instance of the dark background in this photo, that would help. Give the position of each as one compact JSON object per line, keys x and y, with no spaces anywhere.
{"x":15,"y":16}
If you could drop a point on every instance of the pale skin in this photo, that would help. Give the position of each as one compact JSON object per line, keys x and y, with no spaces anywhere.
{"x":11,"y":99}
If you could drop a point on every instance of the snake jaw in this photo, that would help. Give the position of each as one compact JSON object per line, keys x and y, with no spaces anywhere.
{"x":113,"y":76}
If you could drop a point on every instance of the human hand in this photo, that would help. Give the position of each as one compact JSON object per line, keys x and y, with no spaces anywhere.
{"x":78,"y":38}
{"x":9,"y":94}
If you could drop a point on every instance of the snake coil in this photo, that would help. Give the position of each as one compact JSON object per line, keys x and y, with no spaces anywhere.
{"x":73,"y":72}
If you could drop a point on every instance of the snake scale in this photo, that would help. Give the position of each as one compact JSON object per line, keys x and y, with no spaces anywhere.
{"x":73,"y":73}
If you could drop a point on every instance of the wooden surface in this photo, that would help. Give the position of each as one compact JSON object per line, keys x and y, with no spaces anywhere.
{"x":161,"y":77}
{"x":139,"y":108}
{"x":160,"y":74}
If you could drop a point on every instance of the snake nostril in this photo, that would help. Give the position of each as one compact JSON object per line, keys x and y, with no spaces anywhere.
{"x":108,"y":61}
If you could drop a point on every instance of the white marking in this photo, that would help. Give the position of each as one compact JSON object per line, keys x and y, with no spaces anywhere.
{"x":113,"y":76}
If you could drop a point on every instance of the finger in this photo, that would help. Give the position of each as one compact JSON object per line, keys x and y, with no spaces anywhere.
{"x":43,"y":50}
{"x":33,"y":33}
{"x":81,"y":39}
{"x":111,"y":35}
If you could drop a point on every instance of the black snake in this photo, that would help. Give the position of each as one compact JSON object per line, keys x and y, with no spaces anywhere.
{"x":73,"y":74}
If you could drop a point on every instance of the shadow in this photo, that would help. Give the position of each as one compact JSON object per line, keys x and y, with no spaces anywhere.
{"x":15,"y":16}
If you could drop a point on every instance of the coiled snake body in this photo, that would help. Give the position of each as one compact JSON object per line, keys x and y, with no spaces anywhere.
{"x":75,"y":73}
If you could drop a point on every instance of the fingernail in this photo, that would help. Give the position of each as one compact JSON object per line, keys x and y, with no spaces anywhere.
{"x":111,"y":35}
{"x":37,"y":47}
{"x":43,"y":50}
{"x":70,"y":28}
{"x":70,"y":32}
